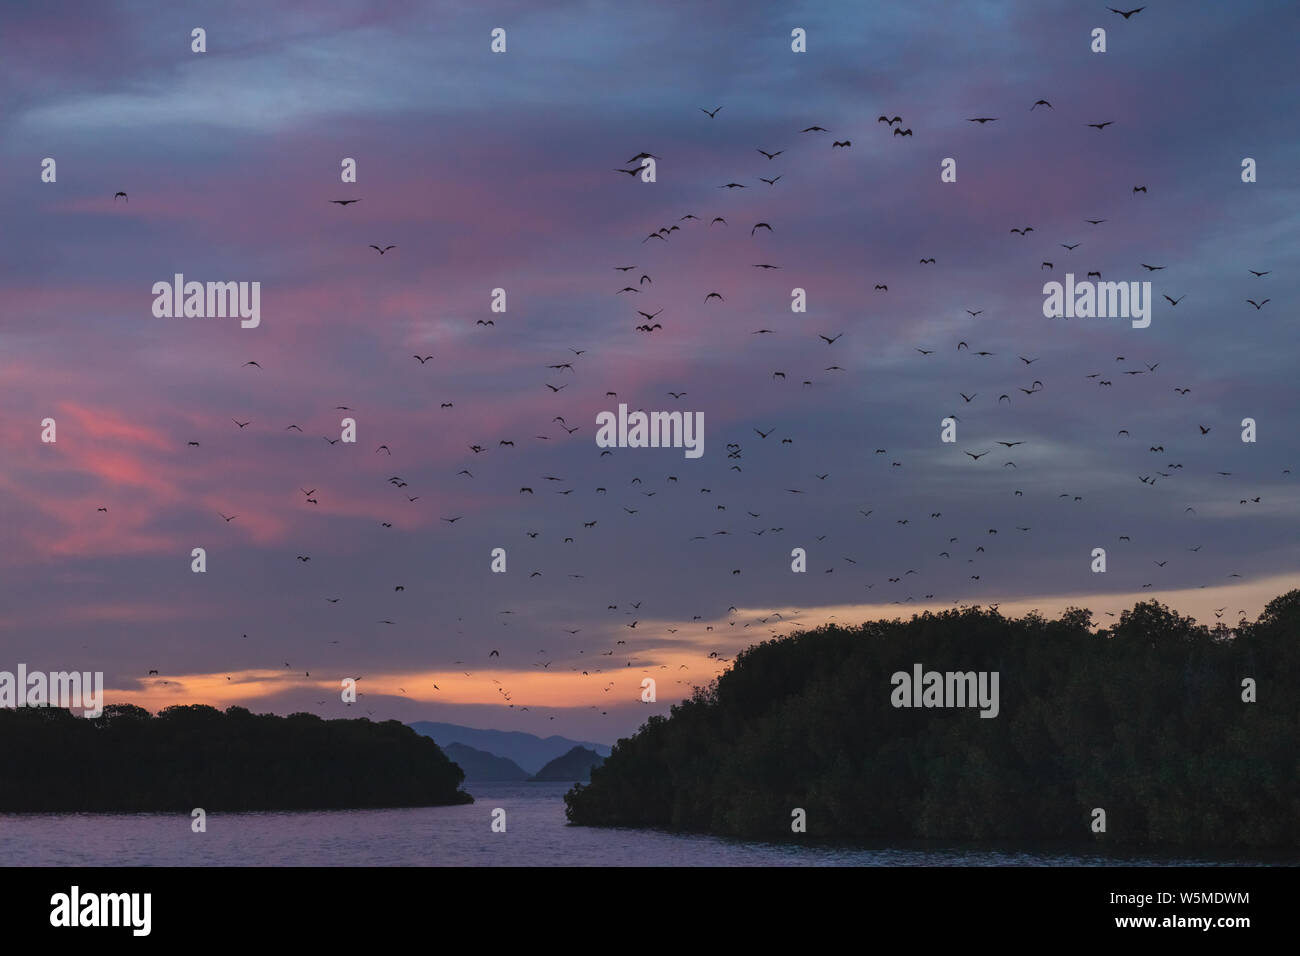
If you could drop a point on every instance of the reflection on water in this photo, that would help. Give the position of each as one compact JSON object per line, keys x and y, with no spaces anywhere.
{"x":537,"y":834}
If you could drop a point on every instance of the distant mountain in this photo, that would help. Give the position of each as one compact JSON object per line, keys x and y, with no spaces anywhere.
{"x":481,"y":765}
{"x":572,"y":767}
{"x":527,"y":750}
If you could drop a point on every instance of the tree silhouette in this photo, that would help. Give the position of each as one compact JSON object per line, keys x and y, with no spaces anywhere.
{"x":196,"y":756}
{"x":1145,"y":720}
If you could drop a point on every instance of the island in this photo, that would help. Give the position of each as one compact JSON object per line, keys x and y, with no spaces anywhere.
{"x":127,"y":760}
{"x":1153,"y":731}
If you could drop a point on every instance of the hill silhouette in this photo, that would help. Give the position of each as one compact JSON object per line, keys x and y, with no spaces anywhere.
{"x":1145,"y":720}
{"x":481,"y":765}
{"x":572,"y":767}
{"x":197,"y":756}
{"x":528,"y":750}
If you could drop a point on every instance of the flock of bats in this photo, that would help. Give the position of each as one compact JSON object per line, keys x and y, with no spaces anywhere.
{"x":655,"y":499}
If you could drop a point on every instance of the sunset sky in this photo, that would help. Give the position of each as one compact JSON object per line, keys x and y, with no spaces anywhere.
{"x":497,"y":171}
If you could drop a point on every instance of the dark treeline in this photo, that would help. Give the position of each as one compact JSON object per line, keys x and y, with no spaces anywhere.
{"x":197,"y":756}
{"x":1145,"y":720}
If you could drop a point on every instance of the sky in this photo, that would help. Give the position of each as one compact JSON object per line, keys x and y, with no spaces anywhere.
{"x":498,"y":170}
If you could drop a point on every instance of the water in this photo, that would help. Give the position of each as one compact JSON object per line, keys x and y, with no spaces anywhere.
{"x":536,"y":834}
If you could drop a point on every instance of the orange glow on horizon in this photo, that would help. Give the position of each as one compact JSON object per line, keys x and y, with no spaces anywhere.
{"x":614,"y":679}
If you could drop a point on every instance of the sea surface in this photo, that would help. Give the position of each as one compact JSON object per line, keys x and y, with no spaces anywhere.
{"x":537,"y":834}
